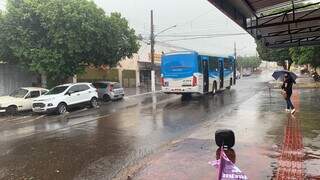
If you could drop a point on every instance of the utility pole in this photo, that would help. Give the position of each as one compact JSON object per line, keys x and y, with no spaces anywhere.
{"x":235,"y":61}
{"x":235,"y":50}
{"x":152,"y":41}
{"x":235,"y":56}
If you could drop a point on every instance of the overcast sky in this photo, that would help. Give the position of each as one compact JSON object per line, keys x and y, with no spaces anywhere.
{"x":192,"y":17}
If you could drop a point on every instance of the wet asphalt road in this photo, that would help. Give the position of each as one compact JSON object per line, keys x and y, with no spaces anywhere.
{"x":99,"y":143}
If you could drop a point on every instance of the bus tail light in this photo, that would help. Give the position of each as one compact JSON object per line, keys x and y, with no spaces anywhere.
{"x":194,"y":81}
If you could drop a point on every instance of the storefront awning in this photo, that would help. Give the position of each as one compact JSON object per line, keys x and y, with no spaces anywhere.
{"x":278,"y":23}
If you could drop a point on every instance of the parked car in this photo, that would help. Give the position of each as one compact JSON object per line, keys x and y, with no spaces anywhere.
{"x":247,"y":73}
{"x":109,"y":90}
{"x":20,"y":99}
{"x":60,"y":98}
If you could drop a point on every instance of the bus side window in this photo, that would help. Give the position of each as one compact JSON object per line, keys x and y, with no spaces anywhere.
{"x":213,"y":64}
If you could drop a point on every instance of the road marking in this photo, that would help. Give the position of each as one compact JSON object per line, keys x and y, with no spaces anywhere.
{"x":16,"y":119}
{"x":39,"y":117}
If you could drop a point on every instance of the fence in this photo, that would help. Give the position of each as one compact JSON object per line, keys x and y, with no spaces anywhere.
{"x":12,"y":77}
{"x":129,"y":78}
{"x":99,"y":74}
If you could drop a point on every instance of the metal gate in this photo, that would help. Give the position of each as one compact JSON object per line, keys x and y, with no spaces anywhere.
{"x":13,"y":77}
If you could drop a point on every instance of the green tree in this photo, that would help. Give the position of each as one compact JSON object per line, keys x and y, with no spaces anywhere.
{"x":306,"y":55}
{"x":59,"y":38}
{"x":252,"y":62}
{"x":279,"y":55}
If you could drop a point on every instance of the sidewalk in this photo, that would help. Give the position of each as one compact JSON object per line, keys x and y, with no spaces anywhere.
{"x":269,"y":142}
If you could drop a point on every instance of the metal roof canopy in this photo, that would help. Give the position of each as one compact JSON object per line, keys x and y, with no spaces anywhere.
{"x":295,"y":26}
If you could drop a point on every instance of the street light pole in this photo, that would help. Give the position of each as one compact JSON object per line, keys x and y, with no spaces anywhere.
{"x":152,"y":43}
{"x":152,"y":40}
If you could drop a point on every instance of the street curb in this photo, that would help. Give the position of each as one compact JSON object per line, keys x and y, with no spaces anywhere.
{"x":143,"y":94}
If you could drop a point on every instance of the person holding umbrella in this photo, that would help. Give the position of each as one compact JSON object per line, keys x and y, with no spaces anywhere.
{"x":287,"y":88}
{"x":289,"y":78}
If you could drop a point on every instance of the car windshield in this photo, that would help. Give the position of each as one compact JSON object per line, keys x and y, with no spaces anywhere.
{"x":19,"y":93}
{"x":57,"y":90}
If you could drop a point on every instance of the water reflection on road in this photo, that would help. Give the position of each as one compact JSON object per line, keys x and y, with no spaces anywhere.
{"x":100,"y":143}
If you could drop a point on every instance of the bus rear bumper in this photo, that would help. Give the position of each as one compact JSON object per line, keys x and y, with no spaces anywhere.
{"x":180,"y":90}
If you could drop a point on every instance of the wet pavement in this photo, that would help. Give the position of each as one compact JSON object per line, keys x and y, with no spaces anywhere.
{"x":139,"y":90}
{"x":104,"y":143}
{"x":270,"y":143}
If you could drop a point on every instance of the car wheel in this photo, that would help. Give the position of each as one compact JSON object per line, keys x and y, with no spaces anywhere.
{"x":94,"y":102}
{"x":62,"y":108}
{"x":106,"y":98}
{"x":12,"y":110}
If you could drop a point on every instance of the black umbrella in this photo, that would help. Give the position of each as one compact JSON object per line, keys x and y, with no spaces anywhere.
{"x":280,"y":74}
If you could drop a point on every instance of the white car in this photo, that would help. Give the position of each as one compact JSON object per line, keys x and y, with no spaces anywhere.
{"x":62,"y":97}
{"x":20,"y":99}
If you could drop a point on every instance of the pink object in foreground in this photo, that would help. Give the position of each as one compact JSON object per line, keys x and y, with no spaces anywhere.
{"x":227,"y":170}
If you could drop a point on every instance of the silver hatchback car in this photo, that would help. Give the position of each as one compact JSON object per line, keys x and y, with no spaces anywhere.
{"x":108,"y":91}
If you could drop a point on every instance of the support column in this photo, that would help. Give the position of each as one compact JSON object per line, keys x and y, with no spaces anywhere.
{"x":120,"y":76}
{"x":43,"y":80}
{"x":74,"y":79}
{"x":137,"y":78}
{"x":153,"y":81}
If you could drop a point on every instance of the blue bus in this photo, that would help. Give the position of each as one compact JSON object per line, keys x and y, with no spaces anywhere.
{"x":190,"y":72}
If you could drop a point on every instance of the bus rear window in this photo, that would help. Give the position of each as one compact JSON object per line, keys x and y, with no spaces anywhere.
{"x":178,"y":64}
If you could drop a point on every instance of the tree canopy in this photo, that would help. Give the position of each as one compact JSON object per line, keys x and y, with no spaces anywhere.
{"x":279,"y":55}
{"x":248,"y":62}
{"x":306,"y":55}
{"x":58,"y":37}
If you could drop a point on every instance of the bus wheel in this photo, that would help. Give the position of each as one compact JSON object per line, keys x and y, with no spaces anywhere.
{"x":229,"y":87}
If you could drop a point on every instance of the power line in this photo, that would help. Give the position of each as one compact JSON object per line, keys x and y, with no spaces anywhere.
{"x":201,"y":37}
{"x":146,"y":41}
{"x":174,"y":46}
{"x":195,"y":18}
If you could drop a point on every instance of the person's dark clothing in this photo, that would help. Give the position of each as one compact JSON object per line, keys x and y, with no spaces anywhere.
{"x":287,"y":87}
{"x":289,"y":103}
